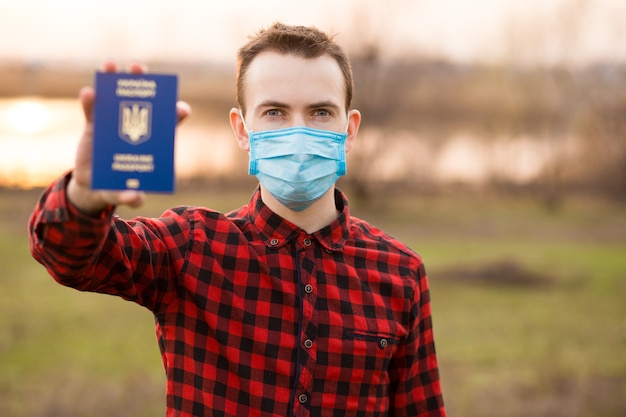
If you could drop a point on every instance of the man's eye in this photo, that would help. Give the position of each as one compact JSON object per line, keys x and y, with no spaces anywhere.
{"x":273,"y":113}
{"x":322,"y":113}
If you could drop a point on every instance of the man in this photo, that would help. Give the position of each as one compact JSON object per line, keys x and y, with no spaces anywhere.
{"x":286,"y":306}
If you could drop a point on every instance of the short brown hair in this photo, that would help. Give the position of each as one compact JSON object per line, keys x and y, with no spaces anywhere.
{"x":302,"y":41}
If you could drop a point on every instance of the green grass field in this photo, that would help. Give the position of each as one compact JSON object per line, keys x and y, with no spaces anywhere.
{"x":529,"y":310}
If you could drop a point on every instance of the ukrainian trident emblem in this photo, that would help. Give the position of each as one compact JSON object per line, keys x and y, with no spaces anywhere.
{"x":135,"y":121}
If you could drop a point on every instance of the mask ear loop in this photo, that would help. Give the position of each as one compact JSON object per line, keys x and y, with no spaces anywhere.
{"x":252,"y":169}
{"x":243,"y":120}
{"x":348,"y":122}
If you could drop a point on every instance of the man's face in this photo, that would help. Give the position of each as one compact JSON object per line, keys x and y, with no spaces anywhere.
{"x":285,"y":90}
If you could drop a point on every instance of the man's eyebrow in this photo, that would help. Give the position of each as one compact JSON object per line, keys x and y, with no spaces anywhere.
{"x":273,"y":103}
{"x":323,"y":104}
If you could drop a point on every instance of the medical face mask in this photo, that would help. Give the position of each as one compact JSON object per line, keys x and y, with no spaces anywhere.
{"x":297,"y":165}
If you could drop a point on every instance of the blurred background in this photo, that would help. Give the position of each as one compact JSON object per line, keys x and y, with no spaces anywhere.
{"x":493,"y":142}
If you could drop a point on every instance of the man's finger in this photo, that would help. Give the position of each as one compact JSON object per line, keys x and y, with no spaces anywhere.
{"x":137,"y":68}
{"x":183,"y":110}
{"x":87,"y":96}
{"x":109,"y":66}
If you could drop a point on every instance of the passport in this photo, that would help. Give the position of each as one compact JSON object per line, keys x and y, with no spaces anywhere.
{"x":134,"y":126}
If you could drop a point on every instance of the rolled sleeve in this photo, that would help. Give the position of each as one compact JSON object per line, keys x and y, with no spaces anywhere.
{"x":62,"y":238}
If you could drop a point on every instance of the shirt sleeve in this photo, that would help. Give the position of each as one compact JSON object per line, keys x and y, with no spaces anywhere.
{"x":136,"y":260}
{"x":416,"y":389}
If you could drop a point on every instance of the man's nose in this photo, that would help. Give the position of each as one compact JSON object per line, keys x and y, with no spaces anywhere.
{"x":298,"y":120}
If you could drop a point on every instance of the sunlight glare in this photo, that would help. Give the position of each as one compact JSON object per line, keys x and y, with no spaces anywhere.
{"x":27,"y":116}
{"x":38,"y":137}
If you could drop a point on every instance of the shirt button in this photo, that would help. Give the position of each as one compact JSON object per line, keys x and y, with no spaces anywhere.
{"x":308,"y":288}
{"x":308,"y":343}
{"x":274,"y":242}
{"x":306,"y":241}
{"x":303,"y":398}
{"x":383,"y":343}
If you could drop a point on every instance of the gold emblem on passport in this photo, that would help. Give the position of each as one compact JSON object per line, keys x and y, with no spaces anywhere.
{"x":135,"y":121}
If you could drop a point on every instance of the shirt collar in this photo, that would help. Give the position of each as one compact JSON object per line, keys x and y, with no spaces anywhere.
{"x":275,"y":231}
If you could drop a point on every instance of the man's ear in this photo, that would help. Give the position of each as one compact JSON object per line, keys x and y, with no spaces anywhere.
{"x":239,"y":129}
{"x":354,"y":121}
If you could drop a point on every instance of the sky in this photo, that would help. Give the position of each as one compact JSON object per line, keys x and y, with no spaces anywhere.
{"x":198,"y":30}
{"x":85,"y":33}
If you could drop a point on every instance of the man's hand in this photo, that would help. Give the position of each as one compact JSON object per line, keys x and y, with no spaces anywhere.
{"x":79,"y":190}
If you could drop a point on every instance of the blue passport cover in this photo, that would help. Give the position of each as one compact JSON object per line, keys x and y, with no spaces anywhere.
{"x":134,"y":126}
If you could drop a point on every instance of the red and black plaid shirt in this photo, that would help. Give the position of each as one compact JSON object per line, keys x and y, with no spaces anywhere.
{"x":256,"y":317}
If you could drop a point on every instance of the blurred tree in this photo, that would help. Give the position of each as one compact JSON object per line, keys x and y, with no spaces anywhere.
{"x":378,"y":93}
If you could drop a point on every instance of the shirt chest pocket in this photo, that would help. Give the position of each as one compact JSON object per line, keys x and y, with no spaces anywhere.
{"x":372,"y":351}
{"x":365,"y":353}
{"x":384,"y":343}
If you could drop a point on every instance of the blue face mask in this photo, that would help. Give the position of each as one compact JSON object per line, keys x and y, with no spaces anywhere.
{"x":297,"y":165}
